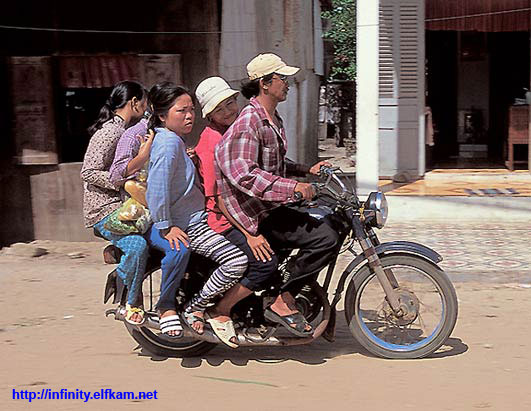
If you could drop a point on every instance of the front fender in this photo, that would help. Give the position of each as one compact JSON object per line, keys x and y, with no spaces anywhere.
{"x":409,"y":247}
{"x":393,"y":247}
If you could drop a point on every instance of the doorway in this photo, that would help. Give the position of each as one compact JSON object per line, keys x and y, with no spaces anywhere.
{"x":472,"y":80}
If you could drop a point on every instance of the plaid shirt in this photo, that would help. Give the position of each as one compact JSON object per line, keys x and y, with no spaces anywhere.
{"x":251,"y":167}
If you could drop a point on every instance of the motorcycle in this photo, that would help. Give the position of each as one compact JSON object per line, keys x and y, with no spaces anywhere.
{"x":399,"y":303}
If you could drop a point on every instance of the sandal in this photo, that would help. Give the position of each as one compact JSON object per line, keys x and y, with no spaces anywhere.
{"x":171,"y":323}
{"x":224,"y":330}
{"x":130,"y":311}
{"x":296,"y":319}
{"x":191,"y":318}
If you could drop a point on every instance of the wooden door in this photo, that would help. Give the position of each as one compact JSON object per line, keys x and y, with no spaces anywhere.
{"x":33,"y":120}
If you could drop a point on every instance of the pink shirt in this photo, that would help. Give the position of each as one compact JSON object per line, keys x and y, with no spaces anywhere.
{"x":205,"y":151}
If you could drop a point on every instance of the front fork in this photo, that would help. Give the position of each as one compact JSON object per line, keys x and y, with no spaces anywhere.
{"x":385,"y":277}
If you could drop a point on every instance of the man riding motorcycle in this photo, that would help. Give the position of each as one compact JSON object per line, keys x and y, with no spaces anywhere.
{"x":251,"y":167}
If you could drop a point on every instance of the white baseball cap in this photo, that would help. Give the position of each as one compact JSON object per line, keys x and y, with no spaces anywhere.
{"x":268,"y":63}
{"x":212,"y":91}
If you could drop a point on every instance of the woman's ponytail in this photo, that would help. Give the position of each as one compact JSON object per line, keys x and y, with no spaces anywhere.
{"x":120,"y":95}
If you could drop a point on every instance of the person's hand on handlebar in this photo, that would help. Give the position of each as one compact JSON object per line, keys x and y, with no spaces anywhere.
{"x":306,"y":190}
{"x":317,"y":167}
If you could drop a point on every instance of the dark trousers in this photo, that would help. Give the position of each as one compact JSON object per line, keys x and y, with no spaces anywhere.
{"x":287,"y":227}
{"x":259,"y":274}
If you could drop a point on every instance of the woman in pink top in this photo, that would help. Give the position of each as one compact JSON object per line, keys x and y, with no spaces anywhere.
{"x":220,"y":108}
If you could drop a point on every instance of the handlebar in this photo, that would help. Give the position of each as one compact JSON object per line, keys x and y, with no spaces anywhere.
{"x":335,"y":187}
{"x":332,"y":186}
{"x":297,"y":195}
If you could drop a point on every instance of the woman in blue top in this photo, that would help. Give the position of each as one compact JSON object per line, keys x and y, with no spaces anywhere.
{"x":177,"y":204}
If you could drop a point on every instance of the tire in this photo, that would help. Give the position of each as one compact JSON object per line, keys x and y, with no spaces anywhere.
{"x":424,"y":286}
{"x":183,"y":347}
{"x":152,"y":340}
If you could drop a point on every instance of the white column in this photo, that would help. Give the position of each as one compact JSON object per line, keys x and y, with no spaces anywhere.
{"x":367,"y":47}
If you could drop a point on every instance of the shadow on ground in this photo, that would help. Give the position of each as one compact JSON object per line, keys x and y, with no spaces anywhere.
{"x":315,"y":353}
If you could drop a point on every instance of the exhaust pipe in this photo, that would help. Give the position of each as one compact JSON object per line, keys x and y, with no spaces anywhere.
{"x":243,"y":340}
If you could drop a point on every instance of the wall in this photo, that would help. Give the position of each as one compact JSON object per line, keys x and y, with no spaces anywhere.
{"x":286,"y":28}
{"x":44,"y":202}
{"x":57,"y":201}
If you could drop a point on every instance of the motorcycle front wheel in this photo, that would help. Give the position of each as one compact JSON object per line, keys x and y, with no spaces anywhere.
{"x":431,"y":309}
{"x":152,"y":340}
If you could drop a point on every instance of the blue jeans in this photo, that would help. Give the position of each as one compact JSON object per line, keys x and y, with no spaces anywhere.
{"x":133,"y":262}
{"x":173,"y":267}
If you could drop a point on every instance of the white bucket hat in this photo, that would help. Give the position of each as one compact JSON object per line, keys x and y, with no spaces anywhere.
{"x":268,"y":63}
{"x":212,"y":91}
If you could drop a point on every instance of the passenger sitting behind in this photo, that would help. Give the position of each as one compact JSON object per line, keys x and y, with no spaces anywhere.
{"x":177,"y":205}
{"x":101,"y":197}
{"x":220,"y":107}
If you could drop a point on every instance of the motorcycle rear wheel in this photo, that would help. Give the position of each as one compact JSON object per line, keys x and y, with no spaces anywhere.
{"x":152,"y":340}
{"x":424,"y":287}
{"x":155,"y":344}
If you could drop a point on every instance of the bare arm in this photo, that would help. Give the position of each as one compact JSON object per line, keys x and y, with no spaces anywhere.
{"x":143,"y":154}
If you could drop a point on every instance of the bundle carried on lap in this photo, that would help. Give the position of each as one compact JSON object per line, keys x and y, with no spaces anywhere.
{"x":131,"y":218}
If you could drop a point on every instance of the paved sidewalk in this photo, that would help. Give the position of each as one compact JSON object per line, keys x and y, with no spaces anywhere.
{"x":456,"y":195}
{"x":495,"y":253}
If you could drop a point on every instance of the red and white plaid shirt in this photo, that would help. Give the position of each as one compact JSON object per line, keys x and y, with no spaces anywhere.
{"x":251,"y":167}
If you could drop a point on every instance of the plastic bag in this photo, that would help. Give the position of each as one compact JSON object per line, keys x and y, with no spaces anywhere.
{"x":131,"y":218}
{"x":115,"y":226}
{"x":131,"y":210}
{"x":137,"y":190}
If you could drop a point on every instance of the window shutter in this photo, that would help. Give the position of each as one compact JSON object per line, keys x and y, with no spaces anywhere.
{"x":401,"y":88}
{"x":387,"y":77}
{"x":409,"y":49}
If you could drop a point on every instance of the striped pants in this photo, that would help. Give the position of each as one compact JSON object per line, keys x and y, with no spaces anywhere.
{"x":232,"y":263}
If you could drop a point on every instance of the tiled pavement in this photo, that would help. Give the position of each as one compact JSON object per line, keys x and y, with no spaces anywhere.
{"x":457,"y":187}
{"x":465,"y":183}
{"x":484,"y":253}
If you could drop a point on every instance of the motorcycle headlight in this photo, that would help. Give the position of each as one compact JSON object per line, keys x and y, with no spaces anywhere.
{"x":378,"y":203}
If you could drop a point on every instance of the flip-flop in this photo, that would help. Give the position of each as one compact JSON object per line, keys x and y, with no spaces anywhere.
{"x":224,"y":330}
{"x":191,"y":318}
{"x":130,"y":311}
{"x":287,"y":320}
{"x":171,"y":323}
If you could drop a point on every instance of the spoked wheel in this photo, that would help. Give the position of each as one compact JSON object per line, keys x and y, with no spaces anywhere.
{"x":429,"y":309}
{"x":151,"y":339}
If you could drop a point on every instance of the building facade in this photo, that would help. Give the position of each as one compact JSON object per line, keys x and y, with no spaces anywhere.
{"x":63,"y":58}
{"x":465,"y":64}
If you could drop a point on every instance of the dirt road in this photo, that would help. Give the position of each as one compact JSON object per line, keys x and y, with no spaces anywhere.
{"x":54,"y":335}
